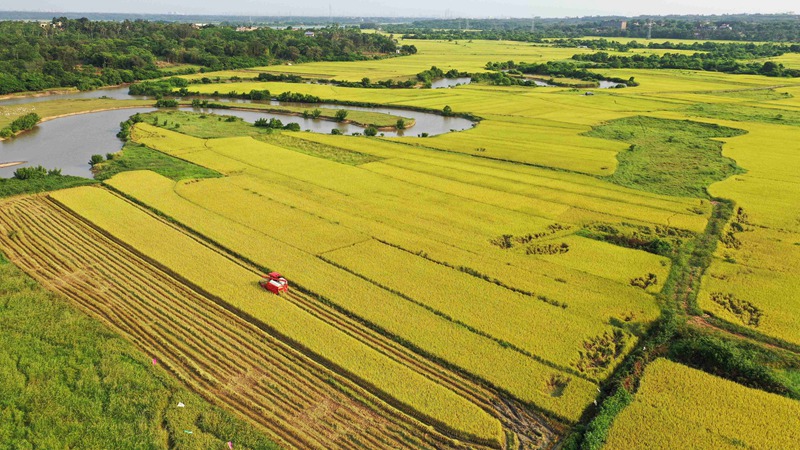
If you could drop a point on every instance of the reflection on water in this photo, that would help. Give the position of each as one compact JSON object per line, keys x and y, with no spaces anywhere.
{"x":450,"y":82}
{"x":609,"y":84}
{"x":541,"y":83}
{"x":118,"y":93}
{"x":68,"y":142}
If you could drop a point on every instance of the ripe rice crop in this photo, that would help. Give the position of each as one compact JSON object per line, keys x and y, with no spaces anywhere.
{"x":216,"y":353}
{"x":523,"y":377}
{"x":677,"y":406}
{"x":224,"y":278}
{"x":502,"y":314}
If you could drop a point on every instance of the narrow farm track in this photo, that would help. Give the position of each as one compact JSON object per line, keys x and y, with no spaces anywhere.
{"x":221,"y":356}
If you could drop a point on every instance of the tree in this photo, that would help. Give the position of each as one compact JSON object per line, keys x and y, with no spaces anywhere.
{"x":316,"y":113}
{"x":401,"y":124}
{"x":292,"y":126}
{"x":370,"y":131}
{"x":341,"y":115}
{"x":447,"y":111}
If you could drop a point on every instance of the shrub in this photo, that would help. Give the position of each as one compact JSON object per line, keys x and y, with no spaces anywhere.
{"x":297,"y":98}
{"x":292,"y":126}
{"x":341,"y":115}
{"x":25,"y":122}
{"x":729,"y":359}
{"x":166,"y":103}
{"x":401,"y":124}
{"x":95,"y":159}
{"x":336,"y":131}
{"x":259,"y":95}
{"x":370,"y":131}
{"x":30,"y":173}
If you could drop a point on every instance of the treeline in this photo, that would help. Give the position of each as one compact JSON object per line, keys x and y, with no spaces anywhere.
{"x":554,"y":69}
{"x":87,"y":55}
{"x":697,"y":61}
{"x":773,"y":28}
{"x":728,"y":49}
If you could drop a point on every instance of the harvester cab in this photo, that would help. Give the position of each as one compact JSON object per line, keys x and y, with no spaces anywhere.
{"x":274,"y":282}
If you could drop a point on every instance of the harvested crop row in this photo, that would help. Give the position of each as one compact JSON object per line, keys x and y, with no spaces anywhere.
{"x":532,"y":431}
{"x":224,"y":278}
{"x":89,"y":287}
{"x":209,"y":348}
{"x":524,"y":378}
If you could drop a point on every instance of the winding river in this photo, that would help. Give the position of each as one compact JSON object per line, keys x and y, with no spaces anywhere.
{"x":68,"y":142}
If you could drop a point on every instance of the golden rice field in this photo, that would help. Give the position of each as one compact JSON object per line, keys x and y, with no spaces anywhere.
{"x":544,"y":127}
{"x":453,"y":287}
{"x":222,"y":277}
{"x":196,"y":339}
{"x":680,"y":407}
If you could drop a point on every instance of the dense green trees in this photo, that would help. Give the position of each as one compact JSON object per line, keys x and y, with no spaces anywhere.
{"x":698,"y":61}
{"x":88,"y":54}
{"x":555,"y":69}
{"x":761,"y":27}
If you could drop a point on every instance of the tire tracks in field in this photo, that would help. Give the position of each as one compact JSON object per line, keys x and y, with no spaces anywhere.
{"x":216,"y":353}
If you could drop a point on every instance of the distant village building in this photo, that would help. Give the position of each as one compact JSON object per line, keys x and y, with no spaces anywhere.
{"x":623,"y":25}
{"x":309,"y":34}
{"x":243,"y":29}
{"x":48,"y":24}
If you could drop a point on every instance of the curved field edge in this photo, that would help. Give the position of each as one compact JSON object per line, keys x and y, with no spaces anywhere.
{"x":225,"y":279}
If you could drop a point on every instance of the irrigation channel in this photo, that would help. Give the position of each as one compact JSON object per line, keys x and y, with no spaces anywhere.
{"x":69,"y":142}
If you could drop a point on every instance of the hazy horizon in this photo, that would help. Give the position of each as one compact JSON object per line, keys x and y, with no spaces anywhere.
{"x":410,"y":8}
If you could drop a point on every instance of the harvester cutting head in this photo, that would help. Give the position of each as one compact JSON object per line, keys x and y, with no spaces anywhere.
{"x":274,"y":282}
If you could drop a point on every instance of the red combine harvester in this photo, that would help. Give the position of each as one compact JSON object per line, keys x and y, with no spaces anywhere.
{"x":274,"y":282}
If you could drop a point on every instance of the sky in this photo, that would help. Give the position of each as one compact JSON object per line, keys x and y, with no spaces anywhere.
{"x":411,"y":8}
